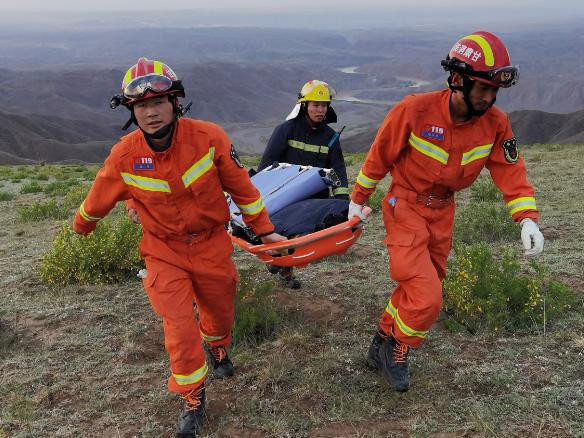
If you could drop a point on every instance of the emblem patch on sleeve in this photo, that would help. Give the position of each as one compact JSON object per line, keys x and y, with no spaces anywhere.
{"x":510,"y":150}
{"x":235,"y":157}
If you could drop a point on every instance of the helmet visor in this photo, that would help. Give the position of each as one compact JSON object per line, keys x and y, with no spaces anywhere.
{"x":501,"y":77}
{"x":152,"y":82}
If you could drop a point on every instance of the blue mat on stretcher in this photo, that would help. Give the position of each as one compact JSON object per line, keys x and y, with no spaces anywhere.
{"x":286,"y":189}
{"x":283,"y":184}
{"x":310,"y":215}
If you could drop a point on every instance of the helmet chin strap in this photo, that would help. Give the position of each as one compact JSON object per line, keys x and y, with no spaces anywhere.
{"x":467,"y":84}
{"x":161,"y":133}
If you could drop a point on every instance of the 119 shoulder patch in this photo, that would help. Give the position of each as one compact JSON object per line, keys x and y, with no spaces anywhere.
{"x":235,"y":157}
{"x":510,"y":150}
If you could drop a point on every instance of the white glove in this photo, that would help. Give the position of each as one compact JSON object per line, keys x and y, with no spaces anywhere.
{"x":356,"y":210}
{"x":531,"y":237}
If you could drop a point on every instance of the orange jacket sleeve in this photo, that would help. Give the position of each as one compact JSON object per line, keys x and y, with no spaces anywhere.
{"x":510,"y":175}
{"x":235,"y":181}
{"x":107,"y":189}
{"x":391,"y":139}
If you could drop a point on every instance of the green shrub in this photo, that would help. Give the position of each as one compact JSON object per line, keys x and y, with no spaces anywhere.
{"x":255,"y":312}
{"x":31,"y":187}
{"x":488,"y":294}
{"x":484,"y":222}
{"x":75,"y":196}
{"x":59,"y":188}
{"x":250,"y":160}
{"x":356,"y":158}
{"x":90,"y":172}
{"x":19,"y":174}
{"x":5,"y":172}
{"x":41,"y":176}
{"x":88,"y":175}
{"x":62,"y":173}
{"x":376,"y":199}
{"x":108,"y":255}
{"x":42,"y":210}
{"x":6,"y":196}
{"x":483,"y":190}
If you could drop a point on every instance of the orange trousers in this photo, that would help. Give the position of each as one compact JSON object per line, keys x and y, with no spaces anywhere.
{"x":419,"y":239}
{"x":179,"y":274}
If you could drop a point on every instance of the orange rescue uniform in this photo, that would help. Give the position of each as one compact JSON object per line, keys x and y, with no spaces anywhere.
{"x":430,"y":157}
{"x":179,"y":196}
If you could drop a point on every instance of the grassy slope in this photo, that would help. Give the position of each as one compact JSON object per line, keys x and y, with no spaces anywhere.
{"x":90,"y":361}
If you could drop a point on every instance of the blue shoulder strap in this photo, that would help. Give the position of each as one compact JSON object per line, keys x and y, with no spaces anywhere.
{"x":335,"y":137}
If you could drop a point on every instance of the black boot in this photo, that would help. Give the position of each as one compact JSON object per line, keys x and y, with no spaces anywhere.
{"x":273,"y":269}
{"x":373,"y":355}
{"x":287,"y":278}
{"x":191,"y":419}
{"x":393,"y":356}
{"x":222,"y":365}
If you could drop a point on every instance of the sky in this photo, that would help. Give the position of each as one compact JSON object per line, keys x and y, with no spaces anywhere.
{"x":326,"y":14}
{"x":538,"y":7}
{"x":567,"y":6}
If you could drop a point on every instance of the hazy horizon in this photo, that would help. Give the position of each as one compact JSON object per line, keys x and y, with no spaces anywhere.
{"x":498,"y":15}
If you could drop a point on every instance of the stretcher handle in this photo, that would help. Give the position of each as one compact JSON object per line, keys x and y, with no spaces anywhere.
{"x":303,"y":240}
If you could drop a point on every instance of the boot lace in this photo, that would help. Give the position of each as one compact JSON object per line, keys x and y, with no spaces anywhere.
{"x":400,"y":352}
{"x":218,"y":352}
{"x":192,"y":399}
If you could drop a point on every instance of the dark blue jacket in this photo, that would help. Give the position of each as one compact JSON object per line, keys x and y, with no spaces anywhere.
{"x":296,"y":142}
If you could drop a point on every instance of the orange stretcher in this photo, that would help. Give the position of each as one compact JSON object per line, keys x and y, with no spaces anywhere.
{"x":301,"y":251}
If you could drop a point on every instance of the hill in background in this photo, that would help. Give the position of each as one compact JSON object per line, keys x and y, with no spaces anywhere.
{"x":46,"y":138}
{"x":247,"y":80}
{"x":529,"y":127}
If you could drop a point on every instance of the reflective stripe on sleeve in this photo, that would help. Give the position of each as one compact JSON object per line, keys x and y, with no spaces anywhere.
{"x":366,"y":182}
{"x":520,"y":204}
{"x":252,"y":208}
{"x":87,"y":216}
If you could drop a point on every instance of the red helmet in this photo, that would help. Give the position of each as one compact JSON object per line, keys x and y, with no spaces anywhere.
{"x":149,"y":78}
{"x":483,"y":57}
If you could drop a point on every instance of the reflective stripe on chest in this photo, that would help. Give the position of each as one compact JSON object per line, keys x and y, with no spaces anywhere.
{"x":193,"y":173}
{"x":428,"y":149}
{"x":145,"y":183}
{"x":437,"y":153}
{"x":476,"y":154}
{"x":198,"y":169}
{"x":308,"y":147}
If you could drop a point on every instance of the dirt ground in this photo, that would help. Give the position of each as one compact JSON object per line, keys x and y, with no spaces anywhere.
{"x":90,"y":360}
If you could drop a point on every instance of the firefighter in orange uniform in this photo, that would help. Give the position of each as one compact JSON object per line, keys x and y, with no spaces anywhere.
{"x":435,"y":144}
{"x":173,"y":171}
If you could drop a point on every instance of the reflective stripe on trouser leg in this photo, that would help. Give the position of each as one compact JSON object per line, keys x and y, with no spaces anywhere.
{"x":418,"y":265}
{"x":413,"y":308}
{"x":171,"y":294}
{"x":186,"y":372}
{"x":215,"y":291}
